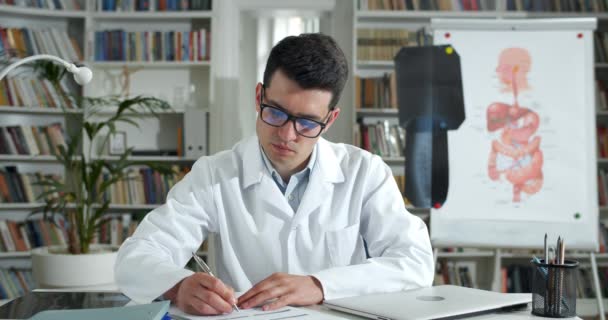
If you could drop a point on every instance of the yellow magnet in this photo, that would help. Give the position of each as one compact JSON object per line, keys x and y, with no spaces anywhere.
{"x":449,"y":50}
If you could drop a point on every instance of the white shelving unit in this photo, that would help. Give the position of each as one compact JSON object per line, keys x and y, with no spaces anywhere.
{"x":167,"y":15}
{"x":42,"y":13}
{"x":36,"y":110}
{"x":155,"y":65}
{"x":190,"y":87}
{"x":26,"y":158}
{"x":150,"y":158}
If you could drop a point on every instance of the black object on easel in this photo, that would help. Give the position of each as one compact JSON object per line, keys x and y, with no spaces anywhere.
{"x":430,"y":99}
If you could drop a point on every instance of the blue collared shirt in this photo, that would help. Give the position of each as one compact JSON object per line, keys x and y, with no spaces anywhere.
{"x":294,"y":189}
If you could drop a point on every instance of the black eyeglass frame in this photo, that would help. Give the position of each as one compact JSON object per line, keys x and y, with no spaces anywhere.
{"x":290,"y":117}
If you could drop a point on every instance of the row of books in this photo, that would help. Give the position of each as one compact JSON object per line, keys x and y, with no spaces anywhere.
{"x":156,"y":5}
{"x":22,"y":236}
{"x":557,"y":5}
{"x":376,"y":92}
{"x":585,"y":288}
{"x":400,"y":182}
{"x":602,"y":141}
{"x":383,"y":139}
{"x":484,"y":5}
{"x":441,"y":5}
{"x":47,"y":4}
{"x":24,"y":42}
{"x":29,"y":90}
{"x":116,"y":228}
{"x":401,"y":185}
{"x":143,"y":186}
{"x":461,"y":273}
{"x":121,"y":45}
{"x":383,"y":44}
{"x":32,"y":140}
{"x":600,"y":46}
{"x":516,"y":278}
{"x":603,"y":234}
{"x":15,"y":283}
{"x":602,"y":180}
{"x":18,"y":187}
{"x":601,"y":94}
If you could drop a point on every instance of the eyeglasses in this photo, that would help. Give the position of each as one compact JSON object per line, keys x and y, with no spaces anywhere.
{"x":276,"y":117}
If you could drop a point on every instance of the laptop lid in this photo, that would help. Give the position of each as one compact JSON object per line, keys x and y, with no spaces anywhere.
{"x":427,"y":303}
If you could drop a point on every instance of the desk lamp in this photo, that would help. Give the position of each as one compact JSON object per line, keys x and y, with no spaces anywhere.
{"x":82,"y":75}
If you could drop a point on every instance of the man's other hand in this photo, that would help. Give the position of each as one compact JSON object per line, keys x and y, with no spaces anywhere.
{"x":286,"y":289}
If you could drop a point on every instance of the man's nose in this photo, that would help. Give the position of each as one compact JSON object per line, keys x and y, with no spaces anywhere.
{"x":288,"y":131}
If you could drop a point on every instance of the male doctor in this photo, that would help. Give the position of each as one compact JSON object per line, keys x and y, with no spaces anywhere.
{"x":299,"y":219}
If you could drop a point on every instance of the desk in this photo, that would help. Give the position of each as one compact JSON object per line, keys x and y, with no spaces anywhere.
{"x":513,"y":315}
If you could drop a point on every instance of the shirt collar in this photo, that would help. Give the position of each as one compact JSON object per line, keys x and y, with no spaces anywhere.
{"x":274,"y":173}
{"x":327,"y":165}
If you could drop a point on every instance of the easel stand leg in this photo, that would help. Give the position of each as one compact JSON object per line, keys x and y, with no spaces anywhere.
{"x":596,"y":284}
{"x":497,"y":281}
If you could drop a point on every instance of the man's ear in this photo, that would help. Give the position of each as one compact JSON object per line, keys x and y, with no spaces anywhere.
{"x":332,"y":117}
{"x":258,"y":96}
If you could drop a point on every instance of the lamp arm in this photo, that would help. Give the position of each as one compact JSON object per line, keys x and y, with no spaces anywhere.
{"x":70,"y":66}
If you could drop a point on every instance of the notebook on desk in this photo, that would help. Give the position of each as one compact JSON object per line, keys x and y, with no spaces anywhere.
{"x":428,"y":303}
{"x":31,"y":303}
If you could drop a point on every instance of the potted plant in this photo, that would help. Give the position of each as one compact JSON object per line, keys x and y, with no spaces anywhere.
{"x":79,"y":197}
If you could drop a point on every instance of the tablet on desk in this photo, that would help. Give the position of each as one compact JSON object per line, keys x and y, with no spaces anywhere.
{"x":428,"y":303}
{"x":33,"y":302}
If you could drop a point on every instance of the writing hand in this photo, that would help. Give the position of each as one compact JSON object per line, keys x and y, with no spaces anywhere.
{"x":202,"y":294}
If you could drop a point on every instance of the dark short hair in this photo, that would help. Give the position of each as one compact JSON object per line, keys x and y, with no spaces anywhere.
{"x":312,"y":60}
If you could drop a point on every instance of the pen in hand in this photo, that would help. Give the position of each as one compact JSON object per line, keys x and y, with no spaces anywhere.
{"x":201,"y":263}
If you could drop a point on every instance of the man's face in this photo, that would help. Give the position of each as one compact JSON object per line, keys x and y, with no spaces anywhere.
{"x":287,"y":150}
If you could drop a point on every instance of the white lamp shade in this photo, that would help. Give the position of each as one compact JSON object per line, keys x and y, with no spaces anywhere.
{"x":83,"y":75}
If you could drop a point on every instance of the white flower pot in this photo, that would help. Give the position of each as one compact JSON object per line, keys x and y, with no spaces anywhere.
{"x":53,"y":267}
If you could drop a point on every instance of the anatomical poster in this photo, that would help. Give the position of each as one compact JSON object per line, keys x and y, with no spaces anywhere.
{"x":526,"y":151}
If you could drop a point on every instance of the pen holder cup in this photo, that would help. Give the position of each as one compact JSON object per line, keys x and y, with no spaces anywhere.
{"x":554,"y":289}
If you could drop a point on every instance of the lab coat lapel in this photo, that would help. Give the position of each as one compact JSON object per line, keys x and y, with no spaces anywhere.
{"x":251,"y":163}
{"x":261,"y":183}
{"x":326,"y":172}
{"x":273,"y":200}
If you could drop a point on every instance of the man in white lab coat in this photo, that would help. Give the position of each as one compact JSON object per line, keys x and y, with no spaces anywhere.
{"x":298,"y":219}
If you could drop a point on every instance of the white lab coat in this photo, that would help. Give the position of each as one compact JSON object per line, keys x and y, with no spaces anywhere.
{"x":351,"y":197}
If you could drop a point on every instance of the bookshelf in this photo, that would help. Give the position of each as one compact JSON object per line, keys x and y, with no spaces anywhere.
{"x":187,"y":63}
{"x":487,"y":265}
{"x":190,"y":76}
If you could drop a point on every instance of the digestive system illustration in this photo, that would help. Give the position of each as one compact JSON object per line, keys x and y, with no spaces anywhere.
{"x":516,"y":154}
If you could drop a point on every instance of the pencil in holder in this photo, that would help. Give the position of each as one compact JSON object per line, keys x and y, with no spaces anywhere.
{"x":554,"y":289}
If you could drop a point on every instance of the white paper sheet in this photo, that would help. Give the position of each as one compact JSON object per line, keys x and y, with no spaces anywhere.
{"x":258,"y":314}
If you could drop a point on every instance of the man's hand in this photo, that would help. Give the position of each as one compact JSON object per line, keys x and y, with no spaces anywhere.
{"x":286,"y":288}
{"x":202,"y":294}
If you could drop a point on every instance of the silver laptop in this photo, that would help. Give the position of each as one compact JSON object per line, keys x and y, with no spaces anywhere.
{"x":428,"y":303}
